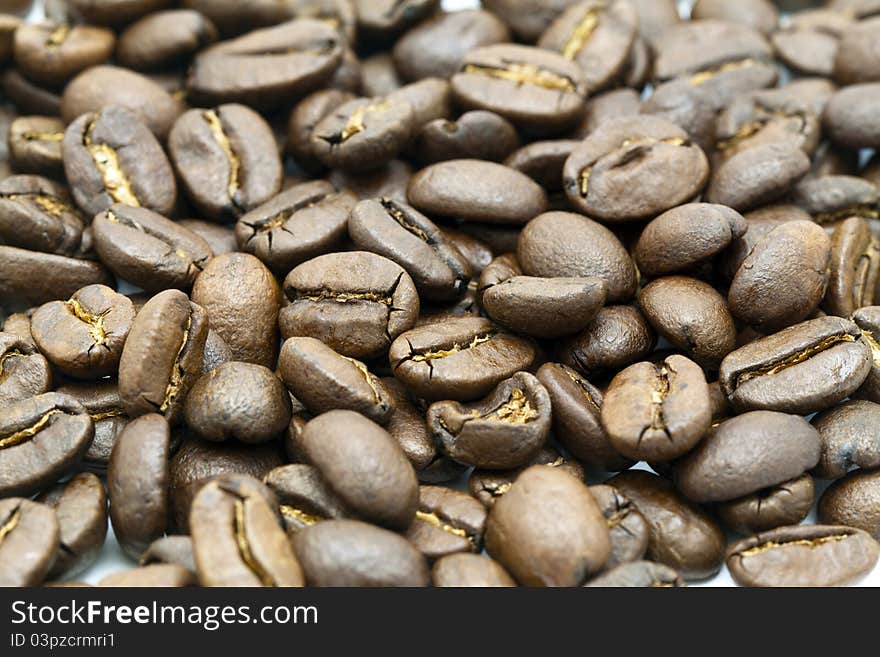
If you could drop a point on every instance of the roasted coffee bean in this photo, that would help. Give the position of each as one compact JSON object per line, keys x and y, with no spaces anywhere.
{"x":679,"y":102}
{"x":41,"y":439}
{"x":477,"y":135}
{"x":240,"y":401}
{"x":382,"y":19}
{"x":81,"y":508}
{"x":265,"y":66}
{"x":388,"y":182}
{"x":833,"y":198}
{"x":35,"y":145}
{"x":692,"y":315}
{"x":51,"y":53}
{"x":406,"y":424}
{"x":643,"y":152}
{"x":687,"y":236}
{"x":115,"y":12}
{"x":37,"y":214}
{"x":162,"y":357}
{"x":364,"y":466}
{"x":853,"y":501}
{"x":657,"y":412}
{"x":237,"y":536}
{"x":405,"y":236}
{"x":565,"y":244}
{"x":597,"y":36}
{"x":24,"y":371}
{"x":617,"y":336}
{"x":868,"y":321}
{"x":500,"y":432}
{"x":199,"y":461}
{"x":19,"y":325}
{"x":303,"y":496}
{"x":848,"y":438}
{"x":784,"y":277}
{"x":770,"y":373}
{"x":356,"y":302}
{"x":851,"y":116}
{"x":83,"y":336}
{"x":447,"y":522}
{"x":237,"y":18}
{"x":627,"y":527}
{"x":28,"y":97}
{"x":308,"y":113}
{"x":856,"y":59}
{"x":475,"y":190}
{"x":542,"y":161}
{"x":548,"y":530}
{"x":152,"y":576}
{"x":683,"y":536}
{"x":809,"y":43}
{"x":300,"y":223}
{"x":353,"y":553}
{"x":747,"y":453}
{"x":760,"y":15}
{"x":805,"y":555}
{"x":29,"y":541}
{"x":164,"y":39}
{"x":469,"y":570}
{"x":111,"y":157}
{"x":241,"y":299}
{"x":854,"y":268}
{"x":221,"y":239}
{"x":459,"y":359}
{"x":101,"y":400}
{"x":639,"y":574}
{"x":175,"y":550}
{"x":227,"y":160}
{"x":608,"y":105}
{"x":784,"y":504}
{"x":539,"y":91}
{"x":527,"y":18}
{"x":379,"y":75}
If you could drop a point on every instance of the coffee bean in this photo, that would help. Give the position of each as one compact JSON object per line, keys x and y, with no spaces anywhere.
{"x":769,"y":373}
{"x":856,"y":61}
{"x":41,"y":439}
{"x":226,"y":158}
{"x":29,"y":543}
{"x":810,"y":555}
{"x":84,"y":336}
{"x":850,"y":117}
{"x":747,"y":453}
{"x":639,"y":574}
{"x":542,"y":161}
{"x":657,"y":412}
{"x":548,"y":530}
{"x":237,"y":536}
{"x":176,"y":550}
{"x":627,"y":528}
{"x":854,"y":268}
{"x":221,"y":239}
{"x":51,"y":53}
{"x":8,"y":25}
{"x":447,"y":522}
{"x":406,"y":424}
{"x":868,"y":321}
{"x":617,"y":336}
{"x":830,"y":199}
{"x":35,"y":145}
{"x":853,"y":501}
{"x":476,"y":135}
{"x":848,"y":438}
{"x":164,"y":39}
{"x":308,"y":113}
{"x":353,"y":553}
{"x":787,"y":503}
{"x":760,"y":15}
{"x":236,"y":18}
{"x":152,"y":576}
{"x":167,"y":336}
{"x":24,"y":371}
{"x":469,"y":570}
{"x":101,"y":400}
{"x":29,"y":97}
{"x":37,"y":213}
{"x":809,"y":44}
{"x":304,"y":497}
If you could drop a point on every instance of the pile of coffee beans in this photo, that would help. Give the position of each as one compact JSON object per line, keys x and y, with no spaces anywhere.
{"x":375,"y":293}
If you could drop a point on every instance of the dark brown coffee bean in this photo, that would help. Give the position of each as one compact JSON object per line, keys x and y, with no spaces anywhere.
{"x":548,"y":530}
{"x":681,"y":103}
{"x":51,"y":53}
{"x":111,"y":157}
{"x":639,"y":574}
{"x":747,"y":453}
{"x":152,"y":576}
{"x":308,"y":113}
{"x":241,"y":299}
{"x":657,"y":412}
{"x":617,"y":336}
{"x":37,"y":214}
{"x":806,"y":555}
{"x":226,"y":158}
{"x":848,"y":437}
{"x":265,"y":66}
{"x":35,"y":145}
{"x":834,"y":198}
{"x":303,"y":496}
{"x":469,"y":570}
{"x":237,"y":536}
{"x":787,"y":503}
{"x":851,"y":116}
{"x":854,"y":267}
{"x":323,"y":380}
{"x":856,"y":59}
{"x":81,"y":508}
{"x":476,"y":135}
{"x":30,"y":541}
{"x":83,"y":336}
{"x":683,"y":536}
{"x":643,"y":153}
{"x":431,"y":99}
{"x":164,"y":39}
{"x":379,"y":74}
{"x":542,"y":161}
{"x":502,"y":431}
{"x":801,"y":369}
{"x":356,"y":302}
{"x":539,"y":91}
{"x":597,"y":36}
{"x":137,"y":483}
{"x":687,"y":236}
{"x":353,"y":553}
{"x":868,"y":321}
{"x":221,"y":239}
{"x":101,"y":400}
{"x":41,"y":439}
{"x":24,"y":371}
{"x":459,"y":359}
{"x":175,"y":550}
{"x":627,"y":527}
{"x":240,"y":401}
{"x":162,"y":357}
{"x":692,"y":315}
{"x":447,"y":522}
{"x":853,"y":501}
{"x":300,"y":223}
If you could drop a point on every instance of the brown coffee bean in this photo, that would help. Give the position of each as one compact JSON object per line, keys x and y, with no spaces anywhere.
{"x":303,"y":496}
{"x":24,"y":371}
{"x":164,"y":39}
{"x":152,"y":576}
{"x":848,"y":437}
{"x":35,"y":145}
{"x":28,"y":97}
{"x":868,"y":321}
{"x":853,"y":501}
{"x":760,"y":15}
{"x":639,"y":574}
{"x":810,"y":42}
{"x":856,"y":59}
{"x":30,"y":541}
{"x":447,"y":522}
{"x":542,"y":161}
{"x":37,"y":213}
{"x":787,"y":503}
{"x":175,"y":550}
{"x":471,"y":570}
{"x":851,"y":116}
{"x":854,"y":268}
{"x":221,"y":239}
{"x":617,"y":336}
{"x":101,"y":400}
{"x":51,"y":53}
{"x":627,"y":527}
{"x":476,"y":135}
